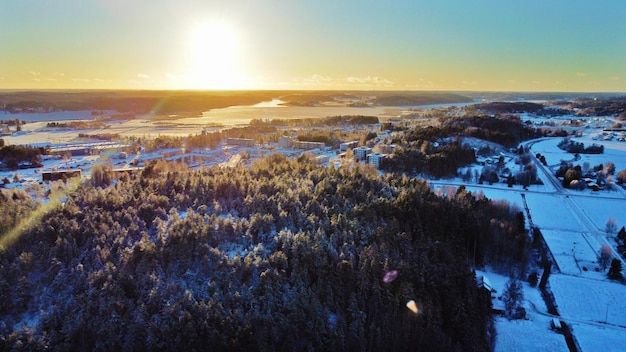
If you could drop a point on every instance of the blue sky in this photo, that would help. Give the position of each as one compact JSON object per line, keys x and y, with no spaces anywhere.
{"x":444,"y":45}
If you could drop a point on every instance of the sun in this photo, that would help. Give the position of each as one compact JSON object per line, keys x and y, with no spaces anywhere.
{"x":215,"y":55}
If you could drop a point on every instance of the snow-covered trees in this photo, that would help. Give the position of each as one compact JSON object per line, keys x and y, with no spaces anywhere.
{"x":101,"y":175}
{"x":513,"y":297}
{"x":284,"y":254}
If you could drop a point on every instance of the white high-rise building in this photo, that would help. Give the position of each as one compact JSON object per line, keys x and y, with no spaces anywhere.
{"x":285,"y":142}
{"x":361,"y":153}
{"x":375,"y":159}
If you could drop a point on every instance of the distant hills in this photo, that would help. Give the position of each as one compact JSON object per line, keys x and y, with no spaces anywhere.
{"x":378,"y":98}
{"x":175,"y":102}
{"x":139,"y":102}
{"x":184,"y":102}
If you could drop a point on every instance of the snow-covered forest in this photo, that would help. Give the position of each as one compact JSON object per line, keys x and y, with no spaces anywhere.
{"x":282,"y":255}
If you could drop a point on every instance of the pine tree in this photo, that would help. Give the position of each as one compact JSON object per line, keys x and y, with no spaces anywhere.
{"x":621,"y":235}
{"x":513,"y":297}
{"x":615,"y":271}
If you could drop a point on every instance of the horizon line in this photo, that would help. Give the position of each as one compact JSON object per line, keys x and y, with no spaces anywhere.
{"x":4,"y":90}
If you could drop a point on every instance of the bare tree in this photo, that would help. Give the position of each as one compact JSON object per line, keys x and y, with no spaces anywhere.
{"x":621,"y":176}
{"x":610,"y":184}
{"x":606,"y":254}
{"x":609,"y":167}
{"x":611,"y":226}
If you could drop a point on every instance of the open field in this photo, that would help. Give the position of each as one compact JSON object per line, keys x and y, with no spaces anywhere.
{"x":581,"y":299}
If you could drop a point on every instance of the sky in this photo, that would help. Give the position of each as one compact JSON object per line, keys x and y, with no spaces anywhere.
{"x":458,"y":45}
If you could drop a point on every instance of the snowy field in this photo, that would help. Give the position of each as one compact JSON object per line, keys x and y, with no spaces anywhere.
{"x":605,"y":338}
{"x":581,"y":299}
{"x":495,"y":193}
{"x":599,"y":210}
{"x":614,"y":151}
{"x":528,"y":335}
{"x":548,"y":148}
{"x":551,"y":212}
{"x":572,"y":252}
{"x":37,"y":132}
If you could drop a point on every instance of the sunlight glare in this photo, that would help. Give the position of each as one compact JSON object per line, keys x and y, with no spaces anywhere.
{"x":215,"y":57}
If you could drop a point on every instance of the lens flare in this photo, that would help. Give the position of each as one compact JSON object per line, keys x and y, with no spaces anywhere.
{"x":390,"y":276}
{"x":35,"y":217}
{"x":412,"y":306}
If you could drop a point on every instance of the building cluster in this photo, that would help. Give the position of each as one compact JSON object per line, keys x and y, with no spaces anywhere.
{"x":366,"y":154}
{"x":241,"y":142}
{"x":117,"y":152}
{"x":286,"y":142}
{"x":88,"y":148}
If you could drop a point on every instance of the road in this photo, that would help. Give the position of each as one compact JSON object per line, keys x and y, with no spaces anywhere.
{"x":572,"y":201}
{"x":589,"y":230}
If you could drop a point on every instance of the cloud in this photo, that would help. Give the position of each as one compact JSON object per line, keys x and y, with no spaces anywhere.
{"x":581,"y":74}
{"x":370,"y":81}
{"x":81,"y":80}
{"x":319,"y":79}
{"x":35,"y":73}
{"x":352,"y":81}
{"x":143,"y":76}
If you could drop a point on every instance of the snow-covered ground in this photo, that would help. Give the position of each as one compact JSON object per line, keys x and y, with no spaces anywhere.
{"x":573,"y":225}
{"x":573,"y":253}
{"x":547,"y":211}
{"x":604,"y":338}
{"x":498,"y":193}
{"x":572,"y":222}
{"x":528,"y":335}
{"x":583,"y":300}
{"x":533,"y":334}
{"x":614,"y":152}
{"x":599,"y":210}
